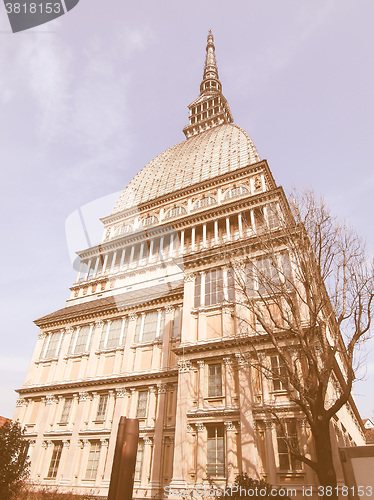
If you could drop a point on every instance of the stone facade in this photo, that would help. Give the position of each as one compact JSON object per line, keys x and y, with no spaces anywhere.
{"x":149,"y":329}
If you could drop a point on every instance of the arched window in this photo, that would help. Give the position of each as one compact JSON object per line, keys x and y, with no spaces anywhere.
{"x":149,"y":221}
{"x":236,"y":191}
{"x":174,"y":212}
{"x":204,"y":202}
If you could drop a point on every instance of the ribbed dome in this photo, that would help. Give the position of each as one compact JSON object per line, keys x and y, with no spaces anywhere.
{"x":216,"y":151}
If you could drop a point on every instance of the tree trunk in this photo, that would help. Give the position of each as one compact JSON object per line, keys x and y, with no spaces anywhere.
{"x":325,"y":465}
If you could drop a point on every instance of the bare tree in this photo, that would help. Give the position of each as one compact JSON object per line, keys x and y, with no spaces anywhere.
{"x":306,"y":296}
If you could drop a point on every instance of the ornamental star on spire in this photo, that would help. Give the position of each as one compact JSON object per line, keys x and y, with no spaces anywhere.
{"x":210,"y":109}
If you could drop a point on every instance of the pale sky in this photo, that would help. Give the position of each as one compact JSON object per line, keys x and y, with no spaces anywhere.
{"x":89,"y":99}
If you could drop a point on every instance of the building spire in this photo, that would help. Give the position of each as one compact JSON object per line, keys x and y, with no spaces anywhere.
{"x":210,"y":69}
{"x":210,"y":108}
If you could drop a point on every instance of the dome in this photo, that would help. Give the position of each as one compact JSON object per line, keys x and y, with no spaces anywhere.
{"x":214,"y":152}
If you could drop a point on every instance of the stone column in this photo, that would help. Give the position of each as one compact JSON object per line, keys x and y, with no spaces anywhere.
{"x":151,"y":413}
{"x":171,"y":247}
{"x":200,"y":399}
{"x":141,"y":253}
{"x":20,"y":411}
{"x":202,"y":288}
{"x":79,"y":414}
{"x":253,"y":228}
{"x":84,"y":460}
{"x":60,"y":404}
{"x":168,"y":331}
{"x":193,"y":237}
{"x":240,"y":225}
{"x":119,"y":411}
{"x":229,"y":382}
{"x":132,"y":255}
{"x":305,"y":449}
{"x":64,"y":457}
{"x":145,"y":475}
{"x":201,"y":453}
{"x":204,"y":235}
{"x":102,"y":459}
{"x":105,"y":264}
{"x":113,"y":261}
{"x":150,"y":251}
{"x":231,"y":455}
{"x":249,"y":450}
{"x":182,"y":242}
{"x":228,"y":234}
{"x":156,"y":476}
{"x":122,"y":258}
{"x":79,"y":272}
{"x":88,"y":270}
{"x":187,"y":333}
{"x":96,"y":267}
{"x":216,"y":232}
{"x":180,"y":448}
{"x":161,"y":249}
{"x":110,"y":410}
{"x":270,"y":451}
{"x":133,"y":401}
{"x":45,"y":459}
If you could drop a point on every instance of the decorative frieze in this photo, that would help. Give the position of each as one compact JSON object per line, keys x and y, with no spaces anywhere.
{"x":121,"y":392}
{"x":229,"y":426}
{"x":200,"y":427}
{"x":84,"y":396}
{"x":184,"y":366}
{"x":21,"y":402}
{"x":188,"y":277}
{"x":162,"y":388}
{"x":50,"y":400}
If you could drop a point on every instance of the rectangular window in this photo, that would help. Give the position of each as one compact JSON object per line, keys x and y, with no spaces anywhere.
{"x":249,"y":279}
{"x":213,"y":287}
{"x":215,"y":451}
{"x":78,"y":343}
{"x":267,"y":275}
{"x":287,"y":433}
{"x":139,"y":460}
{"x":114,"y":334}
{"x":278,"y":372}
{"x":215,"y":380}
{"x":55,"y":460}
{"x":198,"y":290}
{"x":150,"y":326}
{"x":258,"y":214}
{"x":231,"y":277}
{"x":141,"y":410}
{"x":177,"y":323}
{"x":272,"y":215}
{"x":66,"y":410}
{"x":53,"y":345}
{"x":286,"y":270}
{"x":93,"y":460}
{"x":101,"y":409}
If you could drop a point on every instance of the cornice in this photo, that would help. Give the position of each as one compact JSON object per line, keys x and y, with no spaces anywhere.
{"x":252,"y":168}
{"x":170,"y":373}
{"x":167,"y":227}
{"x":108,"y":311}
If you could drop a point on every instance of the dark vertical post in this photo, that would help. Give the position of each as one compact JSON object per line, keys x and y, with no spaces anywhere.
{"x":123,"y":469}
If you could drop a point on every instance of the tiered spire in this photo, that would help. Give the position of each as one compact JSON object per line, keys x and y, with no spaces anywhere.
{"x":210,"y":108}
